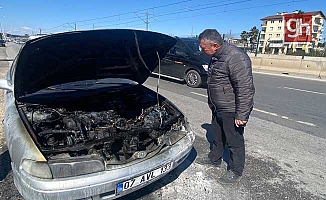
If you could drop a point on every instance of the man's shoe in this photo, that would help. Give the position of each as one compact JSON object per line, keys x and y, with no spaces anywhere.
{"x":207,"y":161}
{"x":229,"y":178}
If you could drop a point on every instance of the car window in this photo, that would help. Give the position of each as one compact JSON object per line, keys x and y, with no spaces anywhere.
{"x":193,"y":45}
{"x":179,"y":49}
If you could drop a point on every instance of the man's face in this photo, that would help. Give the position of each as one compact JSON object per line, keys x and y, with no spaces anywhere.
{"x":208,"y":48}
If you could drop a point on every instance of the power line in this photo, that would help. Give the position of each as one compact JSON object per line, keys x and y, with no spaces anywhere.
{"x":186,"y":11}
{"x":239,"y":9}
{"x":174,"y":13}
{"x":117,"y":15}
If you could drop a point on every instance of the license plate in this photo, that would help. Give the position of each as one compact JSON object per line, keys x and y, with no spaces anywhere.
{"x":142,"y":179}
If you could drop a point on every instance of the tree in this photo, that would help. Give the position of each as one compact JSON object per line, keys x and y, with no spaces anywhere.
{"x":244,"y":37}
{"x":300,"y":12}
{"x":253,"y":34}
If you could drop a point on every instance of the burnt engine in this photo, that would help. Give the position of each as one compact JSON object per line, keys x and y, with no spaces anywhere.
{"x":113,"y":129}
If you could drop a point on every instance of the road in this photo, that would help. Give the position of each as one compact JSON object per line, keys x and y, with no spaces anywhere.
{"x":295,"y":103}
{"x":285,"y":143}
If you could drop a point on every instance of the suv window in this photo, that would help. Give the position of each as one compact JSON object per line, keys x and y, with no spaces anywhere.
{"x":179,"y":49}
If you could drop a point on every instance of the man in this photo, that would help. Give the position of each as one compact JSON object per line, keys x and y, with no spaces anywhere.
{"x":230,"y":97}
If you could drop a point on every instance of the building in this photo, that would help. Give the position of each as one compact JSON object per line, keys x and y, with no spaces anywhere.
{"x":273,"y":33}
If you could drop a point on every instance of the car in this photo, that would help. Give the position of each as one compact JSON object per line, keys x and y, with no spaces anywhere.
{"x":2,"y":43}
{"x":185,"y":62}
{"x":80,"y":124}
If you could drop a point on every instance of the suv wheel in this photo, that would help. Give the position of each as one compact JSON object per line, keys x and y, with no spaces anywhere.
{"x":193,"y":79}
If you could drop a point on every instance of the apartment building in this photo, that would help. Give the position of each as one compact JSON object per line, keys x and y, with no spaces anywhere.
{"x":273,"y":33}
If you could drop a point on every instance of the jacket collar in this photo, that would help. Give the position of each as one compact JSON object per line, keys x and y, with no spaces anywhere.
{"x":218,"y":53}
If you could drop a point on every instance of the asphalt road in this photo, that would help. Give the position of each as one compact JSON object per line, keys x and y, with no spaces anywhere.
{"x":285,"y":144}
{"x":292,"y":102}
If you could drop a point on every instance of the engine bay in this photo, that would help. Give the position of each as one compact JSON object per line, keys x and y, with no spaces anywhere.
{"x":118,"y":126}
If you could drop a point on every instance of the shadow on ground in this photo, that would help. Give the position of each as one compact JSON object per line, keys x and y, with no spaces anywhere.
{"x":5,"y":166}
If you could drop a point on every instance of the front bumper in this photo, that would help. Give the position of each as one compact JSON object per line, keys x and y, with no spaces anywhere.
{"x":101,"y":185}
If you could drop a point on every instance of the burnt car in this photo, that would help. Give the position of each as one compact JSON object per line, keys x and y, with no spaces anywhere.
{"x":78,"y":122}
{"x":185,"y":62}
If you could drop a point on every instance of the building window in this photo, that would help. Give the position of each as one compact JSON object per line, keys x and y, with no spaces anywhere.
{"x":270,"y":28}
{"x":278,"y":35}
{"x":280,"y":21}
{"x":270,"y":35}
{"x":272,"y":21}
{"x":279,"y":28}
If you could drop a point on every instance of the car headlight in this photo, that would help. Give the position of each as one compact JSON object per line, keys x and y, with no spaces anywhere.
{"x":205,"y":67}
{"x":69,"y":167}
{"x":38,"y":169}
{"x":181,"y":131}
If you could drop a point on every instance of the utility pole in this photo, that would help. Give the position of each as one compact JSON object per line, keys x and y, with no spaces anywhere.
{"x":40,"y":31}
{"x":257,"y":45}
{"x":146,"y":19}
{"x":75,"y":26}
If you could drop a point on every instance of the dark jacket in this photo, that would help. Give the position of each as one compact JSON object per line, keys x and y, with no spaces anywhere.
{"x":230,"y":82}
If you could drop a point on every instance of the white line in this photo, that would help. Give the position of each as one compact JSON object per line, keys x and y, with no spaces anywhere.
{"x":304,"y":90}
{"x":262,"y":111}
{"x":199,"y":94}
{"x":290,"y":76}
{"x":306,"y":123}
{"x":265,"y":112}
{"x":171,"y":77}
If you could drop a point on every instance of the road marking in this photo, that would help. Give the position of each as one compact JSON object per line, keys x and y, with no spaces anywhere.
{"x":171,"y":77}
{"x":265,"y":112}
{"x":290,"y":76}
{"x":262,"y":111}
{"x":306,"y":123}
{"x":304,"y":90}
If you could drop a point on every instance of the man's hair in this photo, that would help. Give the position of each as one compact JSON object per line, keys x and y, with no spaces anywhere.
{"x":211,"y":35}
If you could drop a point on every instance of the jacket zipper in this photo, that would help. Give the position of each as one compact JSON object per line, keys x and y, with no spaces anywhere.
{"x":208,"y":87}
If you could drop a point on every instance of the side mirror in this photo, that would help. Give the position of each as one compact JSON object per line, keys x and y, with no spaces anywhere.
{"x":4,"y":85}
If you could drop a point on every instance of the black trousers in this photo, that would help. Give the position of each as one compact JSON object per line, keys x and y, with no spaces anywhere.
{"x":224,"y":132}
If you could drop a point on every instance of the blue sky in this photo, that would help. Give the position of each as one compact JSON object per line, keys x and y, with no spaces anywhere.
{"x":177,"y":17}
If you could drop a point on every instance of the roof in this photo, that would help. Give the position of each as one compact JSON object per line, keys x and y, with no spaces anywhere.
{"x":281,"y":16}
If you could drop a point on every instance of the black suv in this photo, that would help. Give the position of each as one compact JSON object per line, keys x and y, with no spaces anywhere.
{"x":185,"y":62}
{"x":2,"y":43}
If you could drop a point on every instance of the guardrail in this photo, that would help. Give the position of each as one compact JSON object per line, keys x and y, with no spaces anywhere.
{"x":315,"y":68}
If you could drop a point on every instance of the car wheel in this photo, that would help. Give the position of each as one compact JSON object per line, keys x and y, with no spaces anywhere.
{"x":193,"y":78}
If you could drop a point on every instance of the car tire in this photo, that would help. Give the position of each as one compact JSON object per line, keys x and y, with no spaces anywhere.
{"x":193,"y":79}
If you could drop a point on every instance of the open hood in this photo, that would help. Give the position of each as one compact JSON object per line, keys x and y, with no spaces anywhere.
{"x":86,"y":55}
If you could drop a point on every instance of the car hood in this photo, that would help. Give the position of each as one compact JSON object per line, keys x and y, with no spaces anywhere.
{"x":86,"y":55}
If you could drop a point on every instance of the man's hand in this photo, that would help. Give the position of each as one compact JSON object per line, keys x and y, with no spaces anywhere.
{"x":239,"y":122}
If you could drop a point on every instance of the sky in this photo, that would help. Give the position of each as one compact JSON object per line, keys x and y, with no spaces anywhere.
{"x":181,"y":18}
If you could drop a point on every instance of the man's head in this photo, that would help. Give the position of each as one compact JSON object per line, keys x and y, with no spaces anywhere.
{"x":210,"y":41}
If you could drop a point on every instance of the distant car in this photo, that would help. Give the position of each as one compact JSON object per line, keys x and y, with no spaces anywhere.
{"x":185,"y":62}
{"x":2,"y":43}
{"x":78,"y":122}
